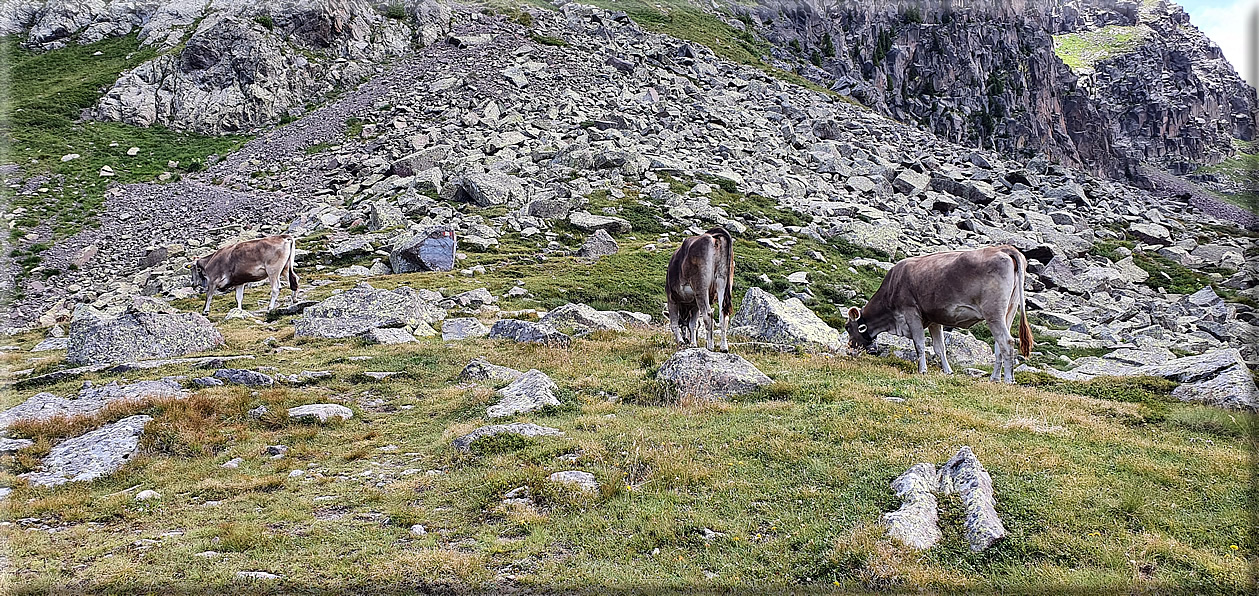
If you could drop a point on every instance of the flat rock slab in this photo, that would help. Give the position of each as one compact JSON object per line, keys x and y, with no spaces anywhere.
{"x":92,"y":455}
{"x":529,"y":332}
{"x":480,"y":370}
{"x":147,"y":329}
{"x":306,"y":376}
{"x":363,"y":308}
{"x":10,"y":445}
{"x":764,"y":317}
{"x":463,"y":328}
{"x":916,"y":523}
{"x":965,"y":476}
{"x":240,"y":376}
{"x":388,"y":336}
{"x":697,"y":372}
{"x":91,"y":399}
{"x":432,"y":250}
{"x":464,"y":443}
{"x":530,"y":392}
{"x":323,"y":412}
{"x":52,"y":343}
{"x":584,"y":481}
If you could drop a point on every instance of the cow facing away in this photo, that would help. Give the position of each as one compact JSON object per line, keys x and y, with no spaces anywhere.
{"x":700,"y":277}
{"x":269,"y":258}
{"x":954,"y":289}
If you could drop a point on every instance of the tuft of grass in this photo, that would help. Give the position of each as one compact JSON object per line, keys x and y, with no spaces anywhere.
{"x":240,"y":537}
{"x":396,"y":10}
{"x":500,"y":443}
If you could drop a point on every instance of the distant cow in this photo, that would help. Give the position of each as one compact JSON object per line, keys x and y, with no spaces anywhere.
{"x":267,"y":258}
{"x":955,"y":289}
{"x":700,"y":276}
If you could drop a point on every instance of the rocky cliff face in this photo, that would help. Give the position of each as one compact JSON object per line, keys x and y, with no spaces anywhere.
{"x":229,"y":65}
{"x":990,"y":75}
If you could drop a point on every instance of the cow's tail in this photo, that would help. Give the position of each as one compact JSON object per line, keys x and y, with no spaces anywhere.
{"x":727,"y":254}
{"x":291,"y":244}
{"x":1020,"y":280}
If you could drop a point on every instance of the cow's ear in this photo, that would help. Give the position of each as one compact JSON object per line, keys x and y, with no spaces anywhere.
{"x":854,"y":313}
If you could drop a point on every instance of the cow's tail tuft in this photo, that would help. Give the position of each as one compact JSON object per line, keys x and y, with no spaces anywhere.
{"x":292,"y":250}
{"x":1025,"y":330}
{"x":727,"y":303}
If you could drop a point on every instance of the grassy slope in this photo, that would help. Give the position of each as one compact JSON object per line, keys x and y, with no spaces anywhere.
{"x":1242,"y":168}
{"x":1084,"y":49}
{"x":39,"y":122}
{"x":795,"y":476}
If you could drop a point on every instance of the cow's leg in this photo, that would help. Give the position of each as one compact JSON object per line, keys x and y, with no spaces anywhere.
{"x":706,"y":314}
{"x":209,"y":297}
{"x":920,"y":345}
{"x":937,"y":343}
{"x":240,"y":296}
{"x":725,"y":321}
{"x":675,"y":323}
{"x":275,"y":287}
{"x":1003,"y":350}
{"x":693,"y":323}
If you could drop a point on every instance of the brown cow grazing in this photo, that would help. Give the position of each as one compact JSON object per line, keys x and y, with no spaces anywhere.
{"x":955,"y":289}
{"x":700,"y":276}
{"x":267,"y":258}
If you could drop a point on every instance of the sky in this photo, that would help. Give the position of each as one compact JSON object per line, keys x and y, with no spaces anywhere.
{"x":1231,"y":24}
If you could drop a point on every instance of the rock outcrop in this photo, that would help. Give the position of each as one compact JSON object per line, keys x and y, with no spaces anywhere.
{"x":464,"y":443}
{"x":147,"y":329}
{"x":701,"y":374}
{"x":362,"y":308}
{"x":90,"y":456}
{"x":530,"y":392}
{"x":765,"y":318}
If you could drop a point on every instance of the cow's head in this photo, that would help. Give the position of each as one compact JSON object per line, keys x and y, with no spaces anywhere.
{"x":860,"y":336}
{"x":197,"y":268}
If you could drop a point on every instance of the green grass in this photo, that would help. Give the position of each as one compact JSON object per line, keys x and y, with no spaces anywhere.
{"x":38,"y":123}
{"x":794,"y":476}
{"x":1084,"y":49}
{"x":1242,"y":169}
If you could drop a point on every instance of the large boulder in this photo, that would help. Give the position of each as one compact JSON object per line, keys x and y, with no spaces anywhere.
{"x":147,"y":329}
{"x":765,"y":318}
{"x":357,"y":310}
{"x":490,"y":189}
{"x":599,"y":244}
{"x":702,"y":374}
{"x":480,"y":370}
{"x":431,"y":250}
{"x":530,"y":392}
{"x":584,"y":317}
{"x":463,"y":328}
{"x":92,"y":455}
{"x":961,"y":348}
{"x":1217,"y":378}
{"x":529,"y":332}
{"x":590,"y":222}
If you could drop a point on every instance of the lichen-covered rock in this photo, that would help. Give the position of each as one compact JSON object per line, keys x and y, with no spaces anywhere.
{"x":584,"y":481}
{"x":590,"y":222}
{"x":525,"y":430}
{"x":480,"y":370}
{"x":146,"y":329}
{"x":581,"y":315}
{"x":598,"y":244}
{"x":91,"y":399}
{"x":1217,"y":378}
{"x":240,"y":376}
{"x":388,"y":336}
{"x":92,"y":455}
{"x":490,"y":189}
{"x":965,"y":476}
{"x":764,"y":317}
{"x":362,"y":308}
{"x":529,"y":332}
{"x":530,"y":392}
{"x":916,"y":523}
{"x":463,"y":328}
{"x":702,"y":374}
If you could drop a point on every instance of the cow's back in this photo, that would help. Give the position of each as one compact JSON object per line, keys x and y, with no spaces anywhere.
{"x":246,"y":262}
{"x":936,"y":283}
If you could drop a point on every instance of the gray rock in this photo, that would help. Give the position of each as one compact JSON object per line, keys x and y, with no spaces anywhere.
{"x":583,"y":316}
{"x":588,"y":222}
{"x":599,"y":244}
{"x":765,"y":318}
{"x":10,"y":445}
{"x":1150,"y":233}
{"x":90,"y":400}
{"x":52,"y":343}
{"x":306,"y":376}
{"x":584,"y":481}
{"x":916,"y":523}
{"x":256,"y":576}
{"x":463,"y":328}
{"x":1217,"y":377}
{"x":489,"y":189}
{"x":525,"y":430}
{"x":965,"y":476}
{"x":355,"y":311}
{"x":323,"y":412}
{"x":530,"y":392}
{"x":90,"y":456}
{"x":388,"y":336}
{"x":529,"y":332}
{"x":433,"y":249}
{"x":472,"y":299}
{"x":910,"y":183}
{"x":883,"y":237}
{"x":699,"y":373}
{"x":239,"y":376}
{"x":147,"y":329}
{"x":382,"y":214}
{"x":480,"y":370}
